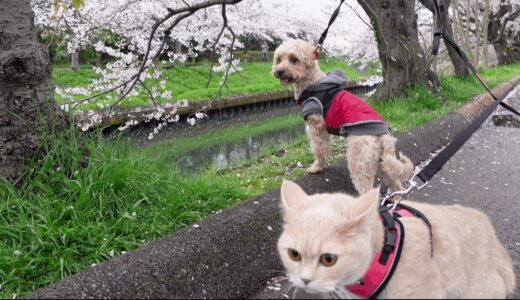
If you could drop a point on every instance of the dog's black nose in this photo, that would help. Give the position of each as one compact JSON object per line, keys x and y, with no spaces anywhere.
{"x":280,"y":73}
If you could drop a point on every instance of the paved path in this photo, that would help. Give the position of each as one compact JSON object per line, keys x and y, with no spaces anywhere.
{"x":484,"y":174}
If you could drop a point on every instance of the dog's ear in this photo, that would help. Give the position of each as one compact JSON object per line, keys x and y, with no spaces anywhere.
{"x":309,"y":58}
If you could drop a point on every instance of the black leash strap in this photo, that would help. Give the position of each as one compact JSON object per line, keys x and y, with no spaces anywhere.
{"x":438,"y":162}
{"x":326,"y":31}
{"x":439,"y":33}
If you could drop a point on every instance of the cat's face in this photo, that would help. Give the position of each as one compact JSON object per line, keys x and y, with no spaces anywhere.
{"x":327,"y":241}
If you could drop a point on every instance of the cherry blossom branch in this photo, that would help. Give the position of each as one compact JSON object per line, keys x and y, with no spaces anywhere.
{"x":358,"y":15}
{"x":182,"y":13}
{"x":224,"y":25}
{"x":230,"y":63}
{"x":149,"y":93}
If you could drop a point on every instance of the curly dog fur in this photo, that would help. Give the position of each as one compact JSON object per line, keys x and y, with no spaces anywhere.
{"x":367,"y":155}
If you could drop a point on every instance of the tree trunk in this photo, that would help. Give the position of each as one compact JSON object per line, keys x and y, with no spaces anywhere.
{"x":505,"y":39}
{"x":74,"y":60}
{"x":459,"y":67}
{"x":27,"y":105}
{"x":485,"y":26}
{"x":403,"y":60}
{"x":478,"y":32}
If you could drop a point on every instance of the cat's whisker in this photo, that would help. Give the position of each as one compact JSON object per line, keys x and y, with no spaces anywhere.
{"x":286,"y":288}
{"x":333,"y":295}
{"x":274,"y":280}
{"x":275,"y":271}
{"x":340,"y":293}
{"x":294,"y":293}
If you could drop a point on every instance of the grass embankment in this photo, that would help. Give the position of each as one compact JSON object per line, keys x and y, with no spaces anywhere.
{"x":190,"y":82}
{"x":85,"y":202}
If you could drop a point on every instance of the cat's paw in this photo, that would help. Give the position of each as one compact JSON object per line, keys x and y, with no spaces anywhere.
{"x":315,"y":168}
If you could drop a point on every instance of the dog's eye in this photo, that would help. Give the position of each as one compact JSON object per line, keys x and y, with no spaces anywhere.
{"x":293,"y":60}
{"x":278,"y":60}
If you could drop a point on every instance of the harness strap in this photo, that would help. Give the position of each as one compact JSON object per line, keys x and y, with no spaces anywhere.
{"x":416,"y":213}
{"x":390,"y":234}
{"x":326,"y":31}
{"x":376,"y":278}
{"x":384,"y":263}
{"x":439,"y":33}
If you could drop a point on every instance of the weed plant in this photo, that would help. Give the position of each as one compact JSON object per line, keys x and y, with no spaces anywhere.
{"x":88,"y":200}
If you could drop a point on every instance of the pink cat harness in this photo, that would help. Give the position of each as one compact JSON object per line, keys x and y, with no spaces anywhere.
{"x":382,"y":267}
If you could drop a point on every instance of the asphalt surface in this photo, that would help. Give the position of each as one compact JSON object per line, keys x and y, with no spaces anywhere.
{"x":233,"y":254}
{"x":485,"y":174}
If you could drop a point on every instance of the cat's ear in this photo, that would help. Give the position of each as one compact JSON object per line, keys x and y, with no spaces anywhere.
{"x":291,"y":193}
{"x":366,"y":203}
{"x":360,"y":208}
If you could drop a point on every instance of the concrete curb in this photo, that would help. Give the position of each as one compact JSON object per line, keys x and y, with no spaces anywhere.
{"x":167,"y":110}
{"x":231,"y":254}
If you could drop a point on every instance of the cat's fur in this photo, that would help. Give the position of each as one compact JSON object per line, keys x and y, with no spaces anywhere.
{"x":468,"y":260}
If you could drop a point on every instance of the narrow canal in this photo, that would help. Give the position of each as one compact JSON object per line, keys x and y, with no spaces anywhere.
{"x":227,"y":152}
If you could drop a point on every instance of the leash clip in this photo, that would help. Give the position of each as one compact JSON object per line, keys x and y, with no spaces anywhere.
{"x":400,"y":195}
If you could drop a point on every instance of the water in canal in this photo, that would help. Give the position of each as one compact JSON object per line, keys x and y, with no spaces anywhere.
{"x":226,"y":154}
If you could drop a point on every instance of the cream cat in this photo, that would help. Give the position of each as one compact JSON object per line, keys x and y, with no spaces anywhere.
{"x":329,"y":240}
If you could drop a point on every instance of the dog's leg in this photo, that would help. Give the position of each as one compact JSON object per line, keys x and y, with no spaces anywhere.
{"x":393,"y":170}
{"x":363,"y":152}
{"x":394,"y":184}
{"x":319,"y":140}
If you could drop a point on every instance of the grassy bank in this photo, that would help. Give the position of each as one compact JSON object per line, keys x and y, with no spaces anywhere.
{"x":190,"y":83}
{"x":89,"y":200}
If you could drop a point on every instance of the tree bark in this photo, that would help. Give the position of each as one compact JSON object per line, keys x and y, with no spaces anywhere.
{"x":74,"y":60}
{"x":478,"y":32}
{"x":403,"y":60}
{"x":459,"y":67}
{"x":504,"y":39}
{"x":27,"y":105}
{"x":485,"y":26}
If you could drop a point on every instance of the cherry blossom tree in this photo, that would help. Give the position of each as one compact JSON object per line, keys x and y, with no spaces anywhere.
{"x":27,"y":106}
{"x":402,"y":57}
{"x":493,"y":22}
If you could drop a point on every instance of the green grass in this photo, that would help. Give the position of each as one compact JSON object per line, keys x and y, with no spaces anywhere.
{"x":424,"y":105}
{"x":89,"y":198}
{"x":82,"y":203}
{"x":190,"y":82}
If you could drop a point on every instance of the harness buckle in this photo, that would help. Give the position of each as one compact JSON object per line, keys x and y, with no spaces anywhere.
{"x":400,"y":195}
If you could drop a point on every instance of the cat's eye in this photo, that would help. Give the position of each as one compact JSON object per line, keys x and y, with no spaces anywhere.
{"x":328,"y":260}
{"x":294,"y":255}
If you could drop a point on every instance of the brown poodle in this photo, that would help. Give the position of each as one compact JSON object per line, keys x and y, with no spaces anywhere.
{"x":328,"y":109}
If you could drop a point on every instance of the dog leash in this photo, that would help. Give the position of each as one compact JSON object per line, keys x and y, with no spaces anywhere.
{"x":436,"y":164}
{"x":326,"y":31}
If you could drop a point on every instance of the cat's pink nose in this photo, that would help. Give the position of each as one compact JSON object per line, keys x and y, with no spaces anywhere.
{"x":306,"y":281}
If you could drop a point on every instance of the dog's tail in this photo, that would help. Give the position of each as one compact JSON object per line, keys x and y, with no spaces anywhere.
{"x":401,"y":168}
